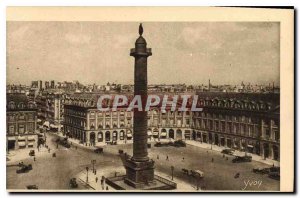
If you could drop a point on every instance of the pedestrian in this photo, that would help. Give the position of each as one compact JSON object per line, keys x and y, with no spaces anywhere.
{"x":223,"y":155}
{"x":95,"y":172}
{"x":106,"y":187}
{"x":183,"y":159}
{"x":167,"y":158}
{"x":76,"y":147}
{"x":273,"y":165}
{"x":96,"y":179}
{"x":157,"y":157}
{"x":212,"y":160}
{"x":56,"y":146}
{"x":33,"y":158}
{"x":226,"y":158}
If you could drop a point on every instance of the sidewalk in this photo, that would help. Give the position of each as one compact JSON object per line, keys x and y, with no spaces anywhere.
{"x":82,"y":177}
{"x":77,"y":142}
{"x":239,"y":153}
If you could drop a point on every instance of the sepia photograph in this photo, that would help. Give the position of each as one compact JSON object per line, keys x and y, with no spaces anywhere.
{"x":130,"y":103}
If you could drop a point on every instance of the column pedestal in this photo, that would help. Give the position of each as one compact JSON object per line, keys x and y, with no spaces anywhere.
{"x":139,"y":174}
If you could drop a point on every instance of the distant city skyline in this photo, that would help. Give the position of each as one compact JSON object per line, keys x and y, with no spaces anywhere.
{"x":98,"y":52}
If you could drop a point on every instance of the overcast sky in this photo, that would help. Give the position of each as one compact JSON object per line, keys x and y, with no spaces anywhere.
{"x":98,"y":52}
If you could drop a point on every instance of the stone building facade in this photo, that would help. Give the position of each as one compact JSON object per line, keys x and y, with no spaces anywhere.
{"x":21,"y":116}
{"x":244,"y":125}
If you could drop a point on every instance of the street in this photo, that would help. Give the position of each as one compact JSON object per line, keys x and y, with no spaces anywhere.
{"x":55,"y":172}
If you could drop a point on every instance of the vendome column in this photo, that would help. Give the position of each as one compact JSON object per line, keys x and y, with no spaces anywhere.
{"x":139,"y":168}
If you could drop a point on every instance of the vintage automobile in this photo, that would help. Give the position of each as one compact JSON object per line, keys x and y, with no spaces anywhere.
{"x":275,"y":169}
{"x":274,"y":175}
{"x":160,"y":144}
{"x":179,"y":143}
{"x":31,"y":153}
{"x":65,"y":143}
{"x":185,"y":171}
{"x":98,"y":150}
{"x":228,"y":151}
{"x":196,"y":173}
{"x":261,"y":170}
{"x":73,"y":183}
{"x":32,"y":187}
{"x":24,"y":169}
{"x":239,"y":159}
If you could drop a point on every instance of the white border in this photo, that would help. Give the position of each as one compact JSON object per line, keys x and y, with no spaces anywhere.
{"x":5,"y":3}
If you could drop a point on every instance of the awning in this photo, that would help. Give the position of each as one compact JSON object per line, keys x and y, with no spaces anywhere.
{"x":31,"y":138}
{"x":129,"y":135}
{"x":39,"y":120}
{"x":21,"y":138}
{"x":155,"y":133}
{"x":21,"y":143}
{"x":149,"y":133}
{"x":30,"y":144}
{"x":250,"y":146}
{"x":11,"y":138}
{"x":53,"y":126}
{"x":163,"y":134}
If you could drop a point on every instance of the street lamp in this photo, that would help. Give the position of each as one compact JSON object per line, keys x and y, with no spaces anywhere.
{"x":87,"y":174}
{"x":93,"y":163}
{"x":172,"y":170}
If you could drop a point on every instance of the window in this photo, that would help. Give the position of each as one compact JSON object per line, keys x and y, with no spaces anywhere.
{"x":30,"y":127}
{"x":217,"y":126}
{"x":223,"y":126}
{"x":178,"y":122}
{"x":187,"y":121}
{"x":21,"y":128}
{"x":121,"y":135}
{"x":11,"y":129}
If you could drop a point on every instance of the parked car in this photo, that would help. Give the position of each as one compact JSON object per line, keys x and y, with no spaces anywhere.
{"x":159,"y":144}
{"x":197,"y":173}
{"x":98,"y":150}
{"x":179,"y":143}
{"x":67,"y":145}
{"x":32,"y":187}
{"x":275,"y":169}
{"x":73,"y":183}
{"x":31,"y":153}
{"x":261,"y":170}
{"x":228,"y":151}
{"x":239,"y":159}
{"x":274,"y":175}
{"x":24,"y":169}
{"x":185,"y":171}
